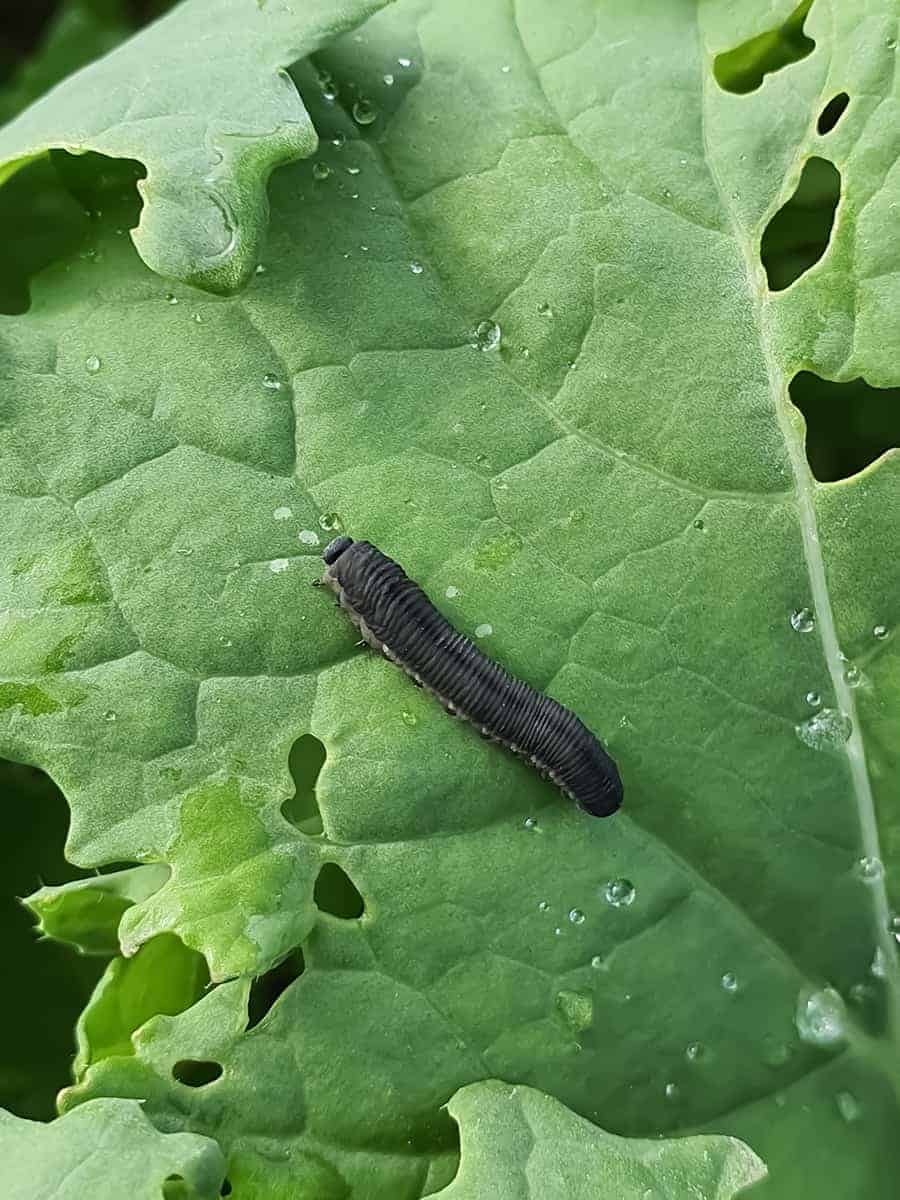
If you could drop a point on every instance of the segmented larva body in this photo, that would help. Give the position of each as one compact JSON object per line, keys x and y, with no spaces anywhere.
{"x":396,"y":617}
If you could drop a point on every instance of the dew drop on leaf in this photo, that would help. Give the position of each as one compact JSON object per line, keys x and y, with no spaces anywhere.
{"x":576,"y":916}
{"x":828,"y":728}
{"x":405,"y":62}
{"x":321,"y":171}
{"x":92,"y":363}
{"x":416,"y":268}
{"x":277,"y":565}
{"x":619,"y":893}
{"x":671,"y":1091}
{"x":409,"y":718}
{"x":803,"y":620}
{"x":597,"y":962}
{"x":331,"y":522}
{"x":282,"y":513}
{"x":870,"y":869}
{"x":487,"y":335}
{"x":171,"y":298}
{"x":388,"y":79}
{"x":821,"y":1018}
{"x":880,"y":632}
{"x":272,"y":382}
{"x":308,"y":537}
{"x":729,"y":982}
{"x":813,"y":699}
{"x":364,"y":112}
{"x":452,"y":592}
{"x":544,"y":309}
{"x":530,"y":823}
{"x":484,"y":630}
{"x":695,"y":1052}
{"x":543,"y":906}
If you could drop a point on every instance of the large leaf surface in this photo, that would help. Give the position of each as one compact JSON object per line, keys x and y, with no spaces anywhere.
{"x":618,"y":490}
{"x":106,"y":1149}
{"x":518,"y":1144}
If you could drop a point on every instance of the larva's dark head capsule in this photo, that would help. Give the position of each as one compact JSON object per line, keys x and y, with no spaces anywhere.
{"x":336,"y":548}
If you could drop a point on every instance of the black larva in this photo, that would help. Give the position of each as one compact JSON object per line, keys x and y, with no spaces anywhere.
{"x":396,"y":617}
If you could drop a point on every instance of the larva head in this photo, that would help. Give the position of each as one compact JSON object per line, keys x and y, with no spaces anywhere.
{"x":336,"y":548}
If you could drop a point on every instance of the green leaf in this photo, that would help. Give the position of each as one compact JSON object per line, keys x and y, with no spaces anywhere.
{"x":164,"y":976}
{"x":86,"y":912}
{"x":107,"y":1149}
{"x":208,"y":134}
{"x":518,"y":1143}
{"x":618,"y":489}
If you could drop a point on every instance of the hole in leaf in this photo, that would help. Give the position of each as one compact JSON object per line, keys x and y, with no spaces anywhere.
{"x":306,"y":759}
{"x":832,"y":112}
{"x":175,"y":1188}
{"x":848,"y":425}
{"x":743,"y":69}
{"x":225,"y":1189}
{"x":797,"y":236}
{"x":196,"y":1072}
{"x":336,"y":893}
{"x":266,"y":989}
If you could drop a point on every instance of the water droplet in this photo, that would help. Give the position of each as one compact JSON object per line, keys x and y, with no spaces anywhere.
{"x":282,"y":513}
{"x":803,"y":620}
{"x":619,"y":893}
{"x":894,"y":928}
{"x":821,"y":1018}
{"x":308,"y":537}
{"x":826,"y":729}
{"x":597,"y":962}
{"x":813,"y":699}
{"x":405,"y":62}
{"x":848,"y":1106}
{"x":339,"y":141}
{"x":576,"y":1009}
{"x":171,"y":298}
{"x":416,"y":268}
{"x":695,"y":1052}
{"x":484,"y":630}
{"x":277,"y":565}
{"x":109,"y":715}
{"x":196,"y":318}
{"x":331,"y":522}
{"x":187,"y":551}
{"x":544,"y":309}
{"x":353,"y":170}
{"x":880,"y":632}
{"x":879,"y":964}
{"x":682,"y":162}
{"x":452,"y":592}
{"x":261,"y":268}
{"x":487,"y":335}
{"x":699,"y":524}
{"x":409,"y":718}
{"x":364,"y":111}
{"x":667,"y":193}
{"x":92,"y":363}
{"x":544,"y":906}
{"x":729,"y":982}
{"x":530,"y":823}
{"x":505,"y":68}
{"x":852,"y":675}
{"x":576,"y":916}
{"x":388,"y":79}
{"x":330,"y":92}
{"x":557,"y":931}
{"x":671,"y":1091}
{"x":870,"y":869}
{"x":272,"y":382}
{"x":321,"y":171}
